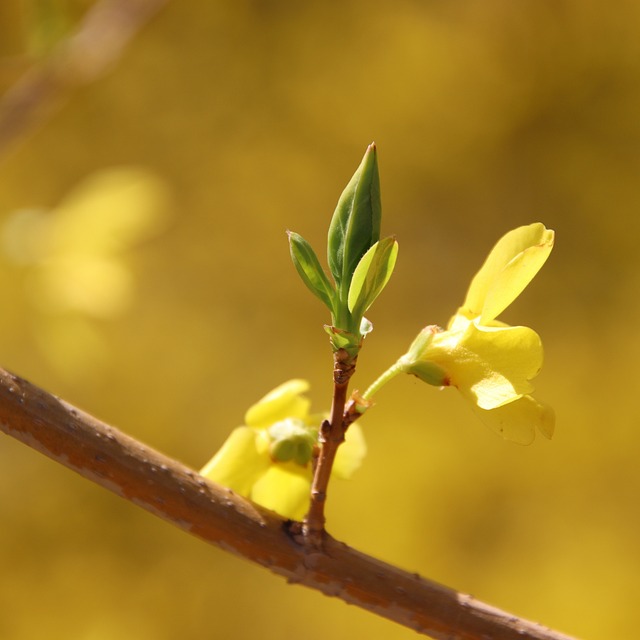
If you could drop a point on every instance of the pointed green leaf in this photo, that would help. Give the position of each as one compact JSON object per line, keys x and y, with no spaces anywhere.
{"x":372,"y":274}
{"x":355,"y":225}
{"x":308,"y":266}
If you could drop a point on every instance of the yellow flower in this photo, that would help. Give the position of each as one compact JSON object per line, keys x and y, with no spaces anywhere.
{"x":491,"y":363}
{"x":77,"y":252}
{"x":269,"y":459}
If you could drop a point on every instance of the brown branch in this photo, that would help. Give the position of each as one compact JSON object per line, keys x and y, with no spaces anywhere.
{"x":331,"y":437}
{"x":181,"y":496}
{"x":91,"y":51}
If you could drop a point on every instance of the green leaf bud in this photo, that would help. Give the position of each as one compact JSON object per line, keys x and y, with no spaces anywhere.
{"x":355,"y":225}
{"x":308,"y":266}
{"x":371,"y":275}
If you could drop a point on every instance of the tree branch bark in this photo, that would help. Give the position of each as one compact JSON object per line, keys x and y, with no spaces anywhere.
{"x":181,"y":496}
{"x":331,"y":437}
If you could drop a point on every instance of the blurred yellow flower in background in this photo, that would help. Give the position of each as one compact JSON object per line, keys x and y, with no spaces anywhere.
{"x":75,"y":252}
{"x":269,"y":459}
{"x":491,"y":363}
{"x":73,"y":260}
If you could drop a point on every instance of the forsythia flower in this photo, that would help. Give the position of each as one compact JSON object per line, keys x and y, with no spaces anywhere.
{"x":489,"y":362}
{"x":269,"y":459}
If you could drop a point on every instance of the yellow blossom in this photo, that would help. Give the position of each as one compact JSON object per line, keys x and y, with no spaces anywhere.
{"x":269,"y":459}
{"x":491,"y":363}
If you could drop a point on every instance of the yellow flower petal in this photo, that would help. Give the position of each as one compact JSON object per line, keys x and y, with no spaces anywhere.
{"x":504,"y":361}
{"x":511,"y":265}
{"x":491,"y":366}
{"x":241,"y":460}
{"x":490,"y":362}
{"x":285,"y":489}
{"x":285,"y":401}
{"x":518,"y":420}
{"x":267,"y":460}
{"x":350,"y":453}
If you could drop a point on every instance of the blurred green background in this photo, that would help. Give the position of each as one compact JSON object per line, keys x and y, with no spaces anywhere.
{"x":226,"y":123}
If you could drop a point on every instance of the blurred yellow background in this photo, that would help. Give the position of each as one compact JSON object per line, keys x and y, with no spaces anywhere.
{"x":227,"y":123}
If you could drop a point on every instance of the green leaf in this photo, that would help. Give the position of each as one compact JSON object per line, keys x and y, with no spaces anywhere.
{"x":308,"y":266}
{"x":371,"y":275}
{"x":355,"y":225}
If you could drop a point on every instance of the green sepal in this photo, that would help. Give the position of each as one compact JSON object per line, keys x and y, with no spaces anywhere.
{"x":298,"y":450}
{"x":415,"y":363}
{"x":371,"y":275}
{"x":355,"y":225}
{"x":292,"y":441}
{"x":308,"y":266}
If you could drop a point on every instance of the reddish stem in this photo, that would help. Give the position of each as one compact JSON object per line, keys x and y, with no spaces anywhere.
{"x":331,"y":437}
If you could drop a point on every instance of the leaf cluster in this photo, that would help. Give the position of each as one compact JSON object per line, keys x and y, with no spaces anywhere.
{"x":359,"y":262}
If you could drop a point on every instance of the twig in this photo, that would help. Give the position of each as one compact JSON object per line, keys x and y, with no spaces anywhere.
{"x":90,"y":52}
{"x":181,"y":496}
{"x":331,"y":437}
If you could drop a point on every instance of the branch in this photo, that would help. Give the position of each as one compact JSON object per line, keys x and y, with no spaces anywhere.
{"x":181,"y":496}
{"x":331,"y":437}
{"x":91,"y":51}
